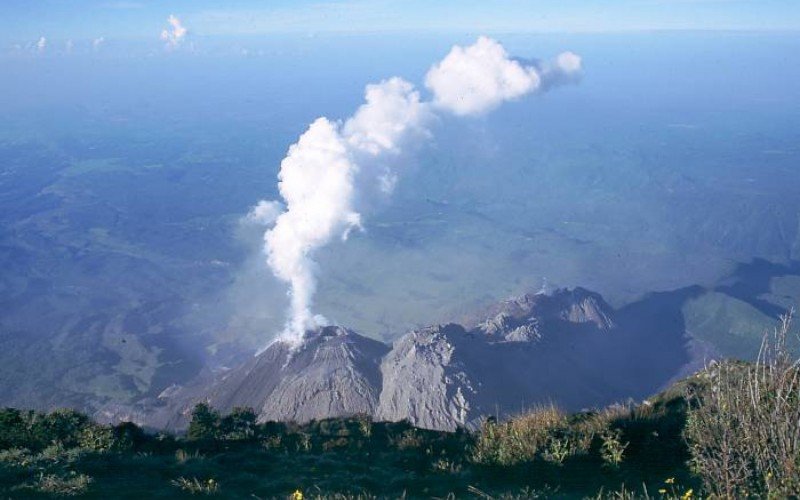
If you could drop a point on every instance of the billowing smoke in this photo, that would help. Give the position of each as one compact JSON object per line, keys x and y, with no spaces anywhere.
{"x":175,"y":33}
{"x":326,"y":171}
{"x":478,"y":78}
{"x":317,"y":182}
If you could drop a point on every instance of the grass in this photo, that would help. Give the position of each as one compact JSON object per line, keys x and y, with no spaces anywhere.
{"x":730,"y":431}
{"x":340,"y":458}
{"x":745,"y":431}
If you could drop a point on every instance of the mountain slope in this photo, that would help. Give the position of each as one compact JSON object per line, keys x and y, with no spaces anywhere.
{"x":333,"y":373}
{"x":569,"y":348}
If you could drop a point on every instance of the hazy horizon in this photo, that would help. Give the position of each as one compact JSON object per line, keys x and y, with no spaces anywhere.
{"x":128,"y":169}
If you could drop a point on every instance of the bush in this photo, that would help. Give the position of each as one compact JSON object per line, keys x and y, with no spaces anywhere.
{"x":519,"y":440}
{"x":744,"y":429}
{"x":128,"y":435}
{"x":97,"y":438}
{"x":62,"y":485}
{"x":196,"y":486}
{"x":63,"y":426}
{"x":239,"y":425}
{"x":13,"y":429}
{"x":612,"y":449}
{"x":205,"y":423}
{"x":16,"y":457}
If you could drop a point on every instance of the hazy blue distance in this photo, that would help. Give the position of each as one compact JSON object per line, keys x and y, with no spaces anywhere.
{"x":124,"y":175}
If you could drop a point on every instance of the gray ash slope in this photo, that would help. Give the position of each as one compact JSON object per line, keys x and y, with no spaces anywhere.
{"x":568,"y":348}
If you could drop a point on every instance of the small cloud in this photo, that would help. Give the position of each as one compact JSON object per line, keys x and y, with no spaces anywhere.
{"x":478,"y":78}
{"x":98,"y":42}
{"x":41,"y":44}
{"x":265,"y":212}
{"x":569,"y":62}
{"x":175,"y":33}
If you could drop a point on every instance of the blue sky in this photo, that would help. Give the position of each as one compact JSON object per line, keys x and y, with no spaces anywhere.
{"x":25,"y":20}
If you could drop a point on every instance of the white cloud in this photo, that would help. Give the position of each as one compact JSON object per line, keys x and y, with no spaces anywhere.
{"x":477,"y":78}
{"x":566,"y":68}
{"x":98,"y":42}
{"x":569,"y":62}
{"x":265,"y":212}
{"x":334,"y":164}
{"x":175,"y":33}
{"x":318,"y":182}
{"x":41,"y":44}
{"x":391,"y":110}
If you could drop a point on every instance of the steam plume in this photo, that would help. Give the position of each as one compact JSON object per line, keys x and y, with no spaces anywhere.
{"x":333,"y":163}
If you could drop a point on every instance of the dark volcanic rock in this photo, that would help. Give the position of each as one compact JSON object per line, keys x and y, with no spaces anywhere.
{"x":568,"y":348}
{"x":332,"y":373}
{"x":526,"y":318}
{"x":522,"y":355}
{"x":427,"y":380}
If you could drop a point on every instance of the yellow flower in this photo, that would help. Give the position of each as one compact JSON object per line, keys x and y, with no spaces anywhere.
{"x":662,"y":491}
{"x":670,"y":480}
{"x":297,"y":495}
{"x":688,"y":494}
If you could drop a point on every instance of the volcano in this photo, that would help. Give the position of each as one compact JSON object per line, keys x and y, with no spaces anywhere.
{"x":568,"y":348}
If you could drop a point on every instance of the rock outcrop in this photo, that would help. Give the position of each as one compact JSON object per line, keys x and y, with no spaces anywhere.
{"x":333,"y":373}
{"x":567,"y":348}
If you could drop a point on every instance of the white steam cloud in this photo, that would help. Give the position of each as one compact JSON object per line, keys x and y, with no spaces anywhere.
{"x":175,"y":33}
{"x":568,"y":63}
{"x":476,"y":79}
{"x":265,"y":212}
{"x":324,"y":172}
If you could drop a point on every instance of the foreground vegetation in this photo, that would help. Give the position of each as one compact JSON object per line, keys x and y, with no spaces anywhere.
{"x":732,"y":431}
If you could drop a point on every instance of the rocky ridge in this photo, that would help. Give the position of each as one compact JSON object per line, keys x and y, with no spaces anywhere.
{"x":568,"y":348}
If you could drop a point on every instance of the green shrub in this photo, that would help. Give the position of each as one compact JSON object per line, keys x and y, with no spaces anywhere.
{"x":13,"y":428}
{"x":205,"y":423}
{"x":70,"y":484}
{"x":744,"y":428}
{"x":196,"y":486}
{"x":239,"y":425}
{"x":16,"y":457}
{"x":128,"y":435}
{"x":612,"y":448}
{"x":97,"y":438}
{"x":521,"y":439}
{"x":64,"y":426}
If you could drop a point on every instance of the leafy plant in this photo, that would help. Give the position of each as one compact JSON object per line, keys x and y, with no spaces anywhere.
{"x":205,"y":423}
{"x":612,"y":448}
{"x":239,"y":425}
{"x":71,"y":484}
{"x":744,"y":428}
{"x":196,"y":486}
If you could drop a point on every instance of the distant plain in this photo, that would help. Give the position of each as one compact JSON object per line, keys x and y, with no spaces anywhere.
{"x":126,"y":265}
